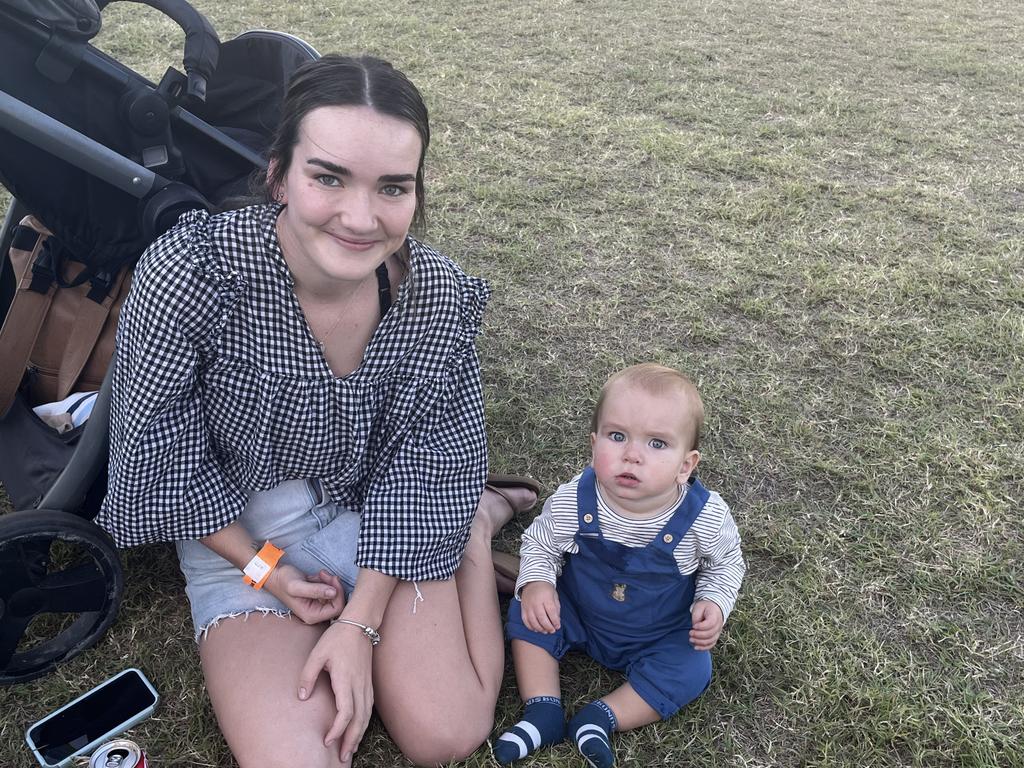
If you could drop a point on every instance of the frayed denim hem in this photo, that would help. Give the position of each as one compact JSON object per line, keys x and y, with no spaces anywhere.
{"x":200,"y":633}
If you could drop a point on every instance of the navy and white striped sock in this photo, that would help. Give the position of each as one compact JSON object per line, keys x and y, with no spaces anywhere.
{"x":591,"y":730}
{"x":543,"y":723}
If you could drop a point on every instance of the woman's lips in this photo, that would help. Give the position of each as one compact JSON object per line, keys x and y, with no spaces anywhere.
{"x":355,"y":245}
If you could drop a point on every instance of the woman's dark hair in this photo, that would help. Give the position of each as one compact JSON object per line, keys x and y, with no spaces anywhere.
{"x":342,"y":81}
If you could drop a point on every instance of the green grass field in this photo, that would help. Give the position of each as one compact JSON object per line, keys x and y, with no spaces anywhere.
{"x":813,"y":208}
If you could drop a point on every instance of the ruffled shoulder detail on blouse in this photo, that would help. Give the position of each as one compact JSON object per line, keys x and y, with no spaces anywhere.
{"x":444,"y":306}
{"x":184,"y":281}
{"x":469,"y":294}
{"x":220,"y":247}
{"x":198,"y":251}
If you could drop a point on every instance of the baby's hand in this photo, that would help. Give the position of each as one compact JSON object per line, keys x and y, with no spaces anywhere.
{"x":707,"y":624}
{"x":540,"y":607}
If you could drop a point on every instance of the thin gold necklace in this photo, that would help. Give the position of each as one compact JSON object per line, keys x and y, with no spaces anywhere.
{"x":322,"y":340}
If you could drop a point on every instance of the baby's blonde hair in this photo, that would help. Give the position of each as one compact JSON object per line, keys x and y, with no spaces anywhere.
{"x":657,"y":380}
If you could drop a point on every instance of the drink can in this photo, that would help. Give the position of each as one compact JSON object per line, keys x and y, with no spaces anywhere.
{"x":121,"y":753}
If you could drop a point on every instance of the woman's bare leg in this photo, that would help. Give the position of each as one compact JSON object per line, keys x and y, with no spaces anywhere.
{"x":252,"y":666}
{"x":439,"y":667}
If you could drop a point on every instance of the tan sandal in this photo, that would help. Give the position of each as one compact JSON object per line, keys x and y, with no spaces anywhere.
{"x":506,"y":571}
{"x":505,"y":564}
{"x":495,"y":482}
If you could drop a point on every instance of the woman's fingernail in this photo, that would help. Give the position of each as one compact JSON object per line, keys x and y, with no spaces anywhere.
{"x":302,"y":694}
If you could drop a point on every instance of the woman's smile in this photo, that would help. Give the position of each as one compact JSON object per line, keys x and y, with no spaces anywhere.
{"x":354,"y":244}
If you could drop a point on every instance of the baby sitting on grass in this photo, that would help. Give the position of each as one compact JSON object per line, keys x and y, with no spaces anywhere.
{"x":633,"y":562}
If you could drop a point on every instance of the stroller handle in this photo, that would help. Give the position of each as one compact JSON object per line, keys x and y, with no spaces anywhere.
{"x":202,"y":46}
{"x":41,"y":130}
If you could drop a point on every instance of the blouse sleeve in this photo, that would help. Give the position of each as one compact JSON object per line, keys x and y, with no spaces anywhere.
{"x":418,"y":510}
{"x":164,"y":483}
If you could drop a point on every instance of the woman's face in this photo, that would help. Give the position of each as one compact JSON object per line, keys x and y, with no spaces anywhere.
{"x":350,"y":194}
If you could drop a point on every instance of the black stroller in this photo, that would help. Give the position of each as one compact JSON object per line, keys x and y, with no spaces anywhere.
{"x":107,"y":161}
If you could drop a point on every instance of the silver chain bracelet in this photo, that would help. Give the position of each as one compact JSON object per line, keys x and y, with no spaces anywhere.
{"x":372,"y":634}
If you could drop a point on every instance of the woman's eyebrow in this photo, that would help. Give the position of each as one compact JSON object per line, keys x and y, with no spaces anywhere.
{"x":327,"y":165}
{"x":340,"y":170}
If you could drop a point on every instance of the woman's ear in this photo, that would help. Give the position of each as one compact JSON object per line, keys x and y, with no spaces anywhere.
{"x":276,"y":192}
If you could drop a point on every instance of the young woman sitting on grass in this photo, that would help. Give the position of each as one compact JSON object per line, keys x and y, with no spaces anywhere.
{"x":297,"y":403}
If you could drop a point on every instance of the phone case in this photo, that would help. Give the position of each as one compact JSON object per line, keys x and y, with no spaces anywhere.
{"x":121,"y":727}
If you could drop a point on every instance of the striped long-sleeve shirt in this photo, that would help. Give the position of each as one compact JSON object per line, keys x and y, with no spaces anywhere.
{"x":711,"y":547}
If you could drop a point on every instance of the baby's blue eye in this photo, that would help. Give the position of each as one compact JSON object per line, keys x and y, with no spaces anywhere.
{"x":657,"y":444}
{"x":616,"y":437}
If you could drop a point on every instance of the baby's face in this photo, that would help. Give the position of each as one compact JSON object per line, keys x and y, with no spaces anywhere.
{"x":642,"y":450}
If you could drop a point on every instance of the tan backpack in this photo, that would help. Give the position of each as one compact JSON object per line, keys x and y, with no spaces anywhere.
{"x":58,"y":337}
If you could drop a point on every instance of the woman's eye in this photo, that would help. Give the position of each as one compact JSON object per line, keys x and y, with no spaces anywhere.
{"x":328,"y":181}
{"x":657,"y":444}
{"x":393,"y":190}
{"x":616,"y":437}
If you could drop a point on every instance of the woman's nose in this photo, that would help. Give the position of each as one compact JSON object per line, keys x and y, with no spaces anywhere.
{"x":357,"y":213}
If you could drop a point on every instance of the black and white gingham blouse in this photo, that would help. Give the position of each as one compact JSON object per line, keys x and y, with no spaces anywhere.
{"x":220,"y":388}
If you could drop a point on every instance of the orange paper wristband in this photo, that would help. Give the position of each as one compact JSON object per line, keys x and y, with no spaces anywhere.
{"x":259,"y":568}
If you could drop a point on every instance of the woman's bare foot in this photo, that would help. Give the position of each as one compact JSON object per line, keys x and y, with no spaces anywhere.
{"x":498,"y":506}
{"x":506,"y":571}
{"x":505,"y":585}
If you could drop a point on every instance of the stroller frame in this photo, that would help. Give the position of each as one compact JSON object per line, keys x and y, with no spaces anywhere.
{"x":37,"y":577}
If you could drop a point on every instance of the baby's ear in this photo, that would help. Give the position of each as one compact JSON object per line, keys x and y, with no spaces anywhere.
{"x":690,"y":463}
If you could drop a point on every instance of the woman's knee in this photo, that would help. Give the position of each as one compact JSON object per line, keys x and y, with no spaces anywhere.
{"x":443,"y":738}
{"x":314,"y":755}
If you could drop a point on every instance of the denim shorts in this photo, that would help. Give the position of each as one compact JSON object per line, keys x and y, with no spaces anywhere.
{"x":314,"y":533}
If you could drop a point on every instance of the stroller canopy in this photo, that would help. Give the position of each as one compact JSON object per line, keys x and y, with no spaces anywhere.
{"x":200,"y":135}
{"x":75,"y":18}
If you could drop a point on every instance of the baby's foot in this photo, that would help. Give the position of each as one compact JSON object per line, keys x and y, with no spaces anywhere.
{"x":543,"y":723}
{"x":591,"y":729}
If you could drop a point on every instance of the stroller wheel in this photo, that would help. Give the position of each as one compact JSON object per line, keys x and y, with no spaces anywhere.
{"x":62,"y":583}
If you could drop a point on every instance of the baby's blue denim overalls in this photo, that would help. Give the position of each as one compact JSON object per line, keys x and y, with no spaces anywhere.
{"x":629,"y":607}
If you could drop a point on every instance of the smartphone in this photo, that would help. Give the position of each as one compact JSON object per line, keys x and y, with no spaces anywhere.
{"x":80,"y":726}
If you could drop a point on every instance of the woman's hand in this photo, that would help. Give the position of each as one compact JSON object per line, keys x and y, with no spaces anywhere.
{"x":541,"y":609}
{"x":345,"y":654}
{"x":707,"y":624}
{"x":311,"y":599}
